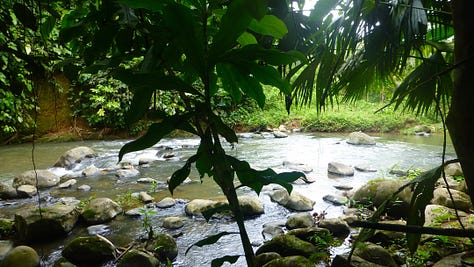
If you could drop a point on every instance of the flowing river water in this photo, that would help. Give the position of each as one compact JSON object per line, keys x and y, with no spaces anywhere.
{"x":313,"y":150}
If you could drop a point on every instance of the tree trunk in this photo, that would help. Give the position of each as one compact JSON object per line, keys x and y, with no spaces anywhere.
{"x":460,"y":119}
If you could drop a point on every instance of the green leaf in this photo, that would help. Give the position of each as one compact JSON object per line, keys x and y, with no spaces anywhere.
{"x":322,"y":9}
{"x":25,"y":16}
{"x":246,"y":38}
{"x":273,"y":57}
{"x":147,"y":4}
{"x":181,"y":174}
{"x":234,"y":22}
{"x":270,"y":76}
{"x":204,"y":163}
{"x":269,"y":25}
{"x":257,"y":179}
{"x":230,"y":80}
{"x":210,"y":240}
{"x":155,"y":133}
{"x":223,"y":129}
{"x":47,"y":27}
{"x":183,"y":27}
{"x":219,"y":261}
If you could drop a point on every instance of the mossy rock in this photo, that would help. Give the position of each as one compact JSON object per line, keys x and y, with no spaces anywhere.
{"x":89,"y":249}
{"x":7,"y":228}
{"x":23,"y":256}
{"x":291,"y":261}
{"x":266,"y":257}
{"x":288,"y":245}
{"x":164,"y":247}
{"x":138,"y":258}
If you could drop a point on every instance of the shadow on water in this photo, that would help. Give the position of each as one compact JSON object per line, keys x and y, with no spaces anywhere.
{"x":313,"y":150}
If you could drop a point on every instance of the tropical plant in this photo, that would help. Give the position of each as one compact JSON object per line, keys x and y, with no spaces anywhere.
{"x":194,"y":49}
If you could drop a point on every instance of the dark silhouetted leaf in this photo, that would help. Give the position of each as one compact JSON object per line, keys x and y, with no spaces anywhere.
{"x":47,"y":27}
{"x":154,"y":134}
{"x":208,"y":213}
{"x":219,"y":261}
{"x":210,"y":240}
{"x":25,"y":16}
{"x":223,"y":129}
{"x":146,"y":4}
{"x":181,"y":174}
{"x":204,"y":163}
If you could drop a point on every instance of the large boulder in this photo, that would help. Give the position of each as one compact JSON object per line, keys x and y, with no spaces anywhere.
{"x":356,"y":261}
{"x":100,"y":210}
{"x":73,"y":156}
{"x":288,"y":245}
{"x":295,"y":201}
{"x":46,"y":179}
{"x":299,"y":220}
{"x":291,"y":261}
{"x":264,"y":258}
{"x":272,"y":229}
{"x":337,"y":226}
{"x":453,"y":169}
{"x":7,"y":191}
{"x":164,"y":247}
{"x":360,"y":138}
{"x":437,"y":215}
{"x":195,"y":207}
{"x":173,"y":222}
{"x":127,"y":173}
{"x":375,"y":192}
{"x":297,"y":166}
{"x":340,"y":169}
{"x":89,"y":250}
{"x":26,"y":191}
{"x":309,"y":234}
{"x":453,"y":260}
{"x":23,"y":256}
{"x":54,"y":221}
{"x":140,"y":258}
{"x":375,"y":254}
{"x":166,"y":202}
{"x":461,"y":200}
{"x":250,"y":206}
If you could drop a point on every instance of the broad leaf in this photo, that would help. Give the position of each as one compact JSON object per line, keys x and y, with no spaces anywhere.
{"x":230,"y":80}
{"x":25,"y":16}
{"x":257,"y":52}
{"x":210,"y":240}
{"x":269,"y":25}
{"x":47,"y":27}
{"x":154,"y":134}
{"x":223,"y":129}
{"x":246,"y":38}
{"x":181,"y":174}
{"x":219,"y":261}
{"x":146,"y":4}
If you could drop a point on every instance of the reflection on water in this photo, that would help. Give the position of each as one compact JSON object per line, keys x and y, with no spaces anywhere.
{"x":314,"y":150}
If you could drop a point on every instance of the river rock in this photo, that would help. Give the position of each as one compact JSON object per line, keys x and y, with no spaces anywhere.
{"x":7,"y":191}
{"x":436,"y":215}
{"x":272,"y":229}
{"x":89,"y":250}
{"x":74,"y":156}
{"x":135,"y":213}
{"x":23,"y":256}
{"x":84,"y":187}
{"x":250,"y":206}
{"x":299,"y":220}
{"x":422,"y":129}
{"x":145,"y":197}
{"x":26,"y":191}
{"x":5,"y":247}
{"x":453,"y":169}
{"x":67,"y":184}
{"x":360,"y":138}
{"x":147,"y":180}
{"x":92,"y":170}
{"x":173,"y":222}
{"x":375,"y":192}
{"x":375,"y":254}
{"x":278,"y":134}
{"x":195,"y":207}
{"x":343,"y":187}
{"x":453,"y":184}
{"x":55,"y":221}
{"x":164,"y":247}
{"x":144,"y":161}
{"x":140,"y":258}
{"x":356,"y":261}
{"x":386,"y":238}
{"x":295,"y":201}
{"x":297,"y":166}
{"x":100,"y":210}
{"x":461,"y":199}
{"x":340,"y":169}
{"x":71,"y":201}
{"x":335,"y":200}
{"x":364,"y":168}
{"x":264,"y":258}
{"x":291,"y":261}
{"x":98,"y":229}
{"x":287,"y":245}
{"x":46,"y":179}
{"x":127,"y":173}
{"x":308,"y":233}
{"x":166,"y":202}
{"x":453,"y":260}
{"x":337,"y":226}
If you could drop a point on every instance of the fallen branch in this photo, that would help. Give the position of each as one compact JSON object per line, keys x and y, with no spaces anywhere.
{"x":414,"y":229}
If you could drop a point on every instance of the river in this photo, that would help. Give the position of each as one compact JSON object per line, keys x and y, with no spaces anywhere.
{"x":313,"y":150}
